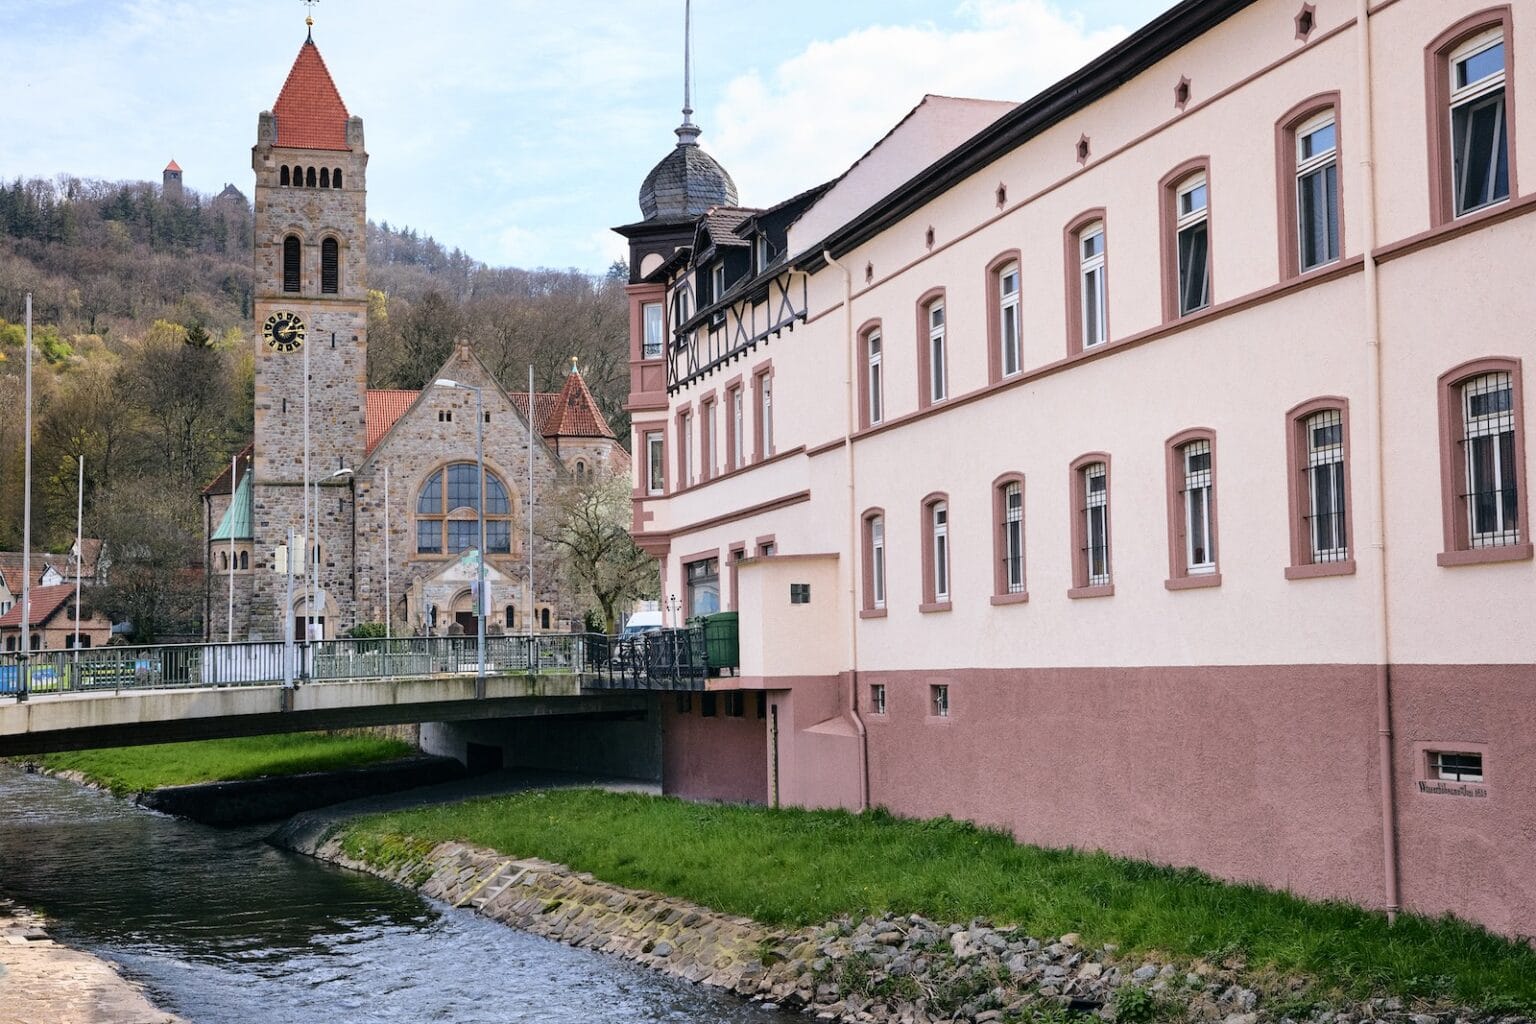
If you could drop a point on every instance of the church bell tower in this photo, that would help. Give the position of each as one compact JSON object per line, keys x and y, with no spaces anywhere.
{"x":311,"y":316}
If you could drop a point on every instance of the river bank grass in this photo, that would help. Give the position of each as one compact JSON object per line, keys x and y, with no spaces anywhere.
{"x":795,"y":868}
{"x":127,"y":770}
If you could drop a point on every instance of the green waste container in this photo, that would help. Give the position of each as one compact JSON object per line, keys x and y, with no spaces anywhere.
{"x":722,"y":641}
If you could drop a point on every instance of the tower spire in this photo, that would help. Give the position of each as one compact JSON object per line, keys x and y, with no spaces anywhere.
{"x":687,"y":132}
{"x":309,"y":20}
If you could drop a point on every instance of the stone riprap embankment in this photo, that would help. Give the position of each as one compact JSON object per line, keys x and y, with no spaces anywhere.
{"x":889,"y":970}
{"x":41,"y":981}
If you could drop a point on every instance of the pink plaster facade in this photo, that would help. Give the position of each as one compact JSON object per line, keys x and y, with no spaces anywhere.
{"x":1270,"y":722}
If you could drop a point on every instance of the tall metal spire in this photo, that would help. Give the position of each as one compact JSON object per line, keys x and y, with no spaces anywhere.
{"x":687,"y":132}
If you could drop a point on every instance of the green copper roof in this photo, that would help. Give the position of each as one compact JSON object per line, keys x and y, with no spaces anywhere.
{"x":236,"y":524}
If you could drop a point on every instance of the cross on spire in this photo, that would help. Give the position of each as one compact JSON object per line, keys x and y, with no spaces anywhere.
{"x":309,"y":19}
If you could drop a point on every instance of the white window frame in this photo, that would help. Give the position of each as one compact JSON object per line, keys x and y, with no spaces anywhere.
{"x":656,"y":462}
{"x":1465,"y":97}
{"x":1093,"y":284}
{"x":765,"y":410}
{"x":938,"y":514}
{"x":686,"y":453}
{"x":1199,"y":492}
{"x":875,"y":376}
{"x":708,"y":441}
{"x":716,"y":281}
{"x":1322,"y":459}
{"x":653,"y":341}
{"x":938,"y":356}
{"x":1188,"y":220}
{"x":877,"y":560}
{"x":1493,"y":425}
{"x":762,"y":253}
{"x":1013,"y":536}
{"x":1317,"y":164}
{"x":1010,"y":327}
{"x":1096,"y":524}
{"x":739,"y":428}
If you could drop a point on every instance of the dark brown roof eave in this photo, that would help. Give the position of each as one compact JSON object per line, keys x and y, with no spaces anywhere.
{"x":1122,"y":62}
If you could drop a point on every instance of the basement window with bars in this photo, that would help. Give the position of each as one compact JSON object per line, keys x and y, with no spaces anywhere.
{"x":1324,"y":433}
{"x":877,"y":698}
{"x":735,"y":704}
{"x":938,"y":700}
{"x":1453,"y":766}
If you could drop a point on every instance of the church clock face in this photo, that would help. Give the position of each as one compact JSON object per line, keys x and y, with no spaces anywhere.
{"x":284,"y":331}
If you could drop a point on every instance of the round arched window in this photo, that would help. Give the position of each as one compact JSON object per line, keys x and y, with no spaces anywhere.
{"x":448,"y":512}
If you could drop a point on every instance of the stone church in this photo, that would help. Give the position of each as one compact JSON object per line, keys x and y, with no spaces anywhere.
{"x":405,"y":458}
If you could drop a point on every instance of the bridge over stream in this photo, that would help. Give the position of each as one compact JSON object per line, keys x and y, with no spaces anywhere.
{"x":125,"y":696}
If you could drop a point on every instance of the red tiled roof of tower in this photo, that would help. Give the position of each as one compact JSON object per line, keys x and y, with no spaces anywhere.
{"x":173,"y":166}
{"x":221,"y":483}
{"x":383,"y":410}
{"x":45,"y":601}
{"x":576,"y":413}
{"x":544,"y":408}
{"x":309,"y":111}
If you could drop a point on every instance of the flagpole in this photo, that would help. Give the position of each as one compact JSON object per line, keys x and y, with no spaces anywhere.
{"x":26,"y":526}
{"x":533,"y":434}
{"x":388,"y":606}
{"x":79,"y":549}
{"x":234,"y":462}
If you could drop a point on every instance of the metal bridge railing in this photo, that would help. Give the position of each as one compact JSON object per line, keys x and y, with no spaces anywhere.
{"x":668,"y":659}
{"x":173,"y":666}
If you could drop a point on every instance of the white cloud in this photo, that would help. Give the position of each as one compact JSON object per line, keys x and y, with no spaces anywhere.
{"x":815,"y":113}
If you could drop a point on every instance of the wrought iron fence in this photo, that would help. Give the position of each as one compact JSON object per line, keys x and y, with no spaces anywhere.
{"x":320,"y":661}
{"x":668,"y":659}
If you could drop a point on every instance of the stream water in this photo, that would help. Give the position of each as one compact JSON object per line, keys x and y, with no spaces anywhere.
{"x":221,"y":928}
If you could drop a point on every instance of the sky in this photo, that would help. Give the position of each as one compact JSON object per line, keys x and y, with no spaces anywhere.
{"x":519,"y":130}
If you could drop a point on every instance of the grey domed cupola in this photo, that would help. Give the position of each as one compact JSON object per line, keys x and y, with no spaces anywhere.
{"x":688,"y":181}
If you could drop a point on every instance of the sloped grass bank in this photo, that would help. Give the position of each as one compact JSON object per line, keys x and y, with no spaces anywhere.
{"x":796,"y":868}
{"x":128,"y":770}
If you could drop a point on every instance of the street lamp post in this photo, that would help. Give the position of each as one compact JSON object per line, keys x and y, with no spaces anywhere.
{"x":482,"y":604}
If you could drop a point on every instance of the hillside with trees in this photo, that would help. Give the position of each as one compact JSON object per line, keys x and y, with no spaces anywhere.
{"x":144,"y":358}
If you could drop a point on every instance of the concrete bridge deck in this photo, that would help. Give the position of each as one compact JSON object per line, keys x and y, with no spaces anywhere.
{"x":68,"y":700}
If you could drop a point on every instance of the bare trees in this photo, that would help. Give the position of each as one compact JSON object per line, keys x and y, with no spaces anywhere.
{"x":587,"y":524}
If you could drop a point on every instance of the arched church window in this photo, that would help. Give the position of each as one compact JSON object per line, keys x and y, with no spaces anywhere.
{"x":336,"y":178}
{"x":291,"y":263}
{"x":325,"y":177}
{"x":282,"y":175}
{"x":298,"y":176}
{"x":224,"y":560}
{"x":330,"y":266}
{"x":245,"y":560}
{"x":309,"y":178}
{"x":511,"y":616}
{"x":581,"y":472}
{"x":543,"y":618}
{"x":448,"y":511}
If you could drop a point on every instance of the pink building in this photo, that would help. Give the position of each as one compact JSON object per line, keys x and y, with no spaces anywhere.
{"x":1144,"y":464}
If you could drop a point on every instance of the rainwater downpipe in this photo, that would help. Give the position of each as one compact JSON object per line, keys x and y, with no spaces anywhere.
{"x":853,"y":530}
{"x":1383,"y":652}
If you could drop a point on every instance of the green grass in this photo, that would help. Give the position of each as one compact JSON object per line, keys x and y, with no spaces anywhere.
{"x":126,"y":770}
{"x":789,"y":867}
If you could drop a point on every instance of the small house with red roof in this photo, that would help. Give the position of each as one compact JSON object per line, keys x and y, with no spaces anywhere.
{"x":51,"y":625}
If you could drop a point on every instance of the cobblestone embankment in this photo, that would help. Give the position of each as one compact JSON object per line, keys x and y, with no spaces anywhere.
{"x":891,"y":970}
{"x":42,"y":982}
